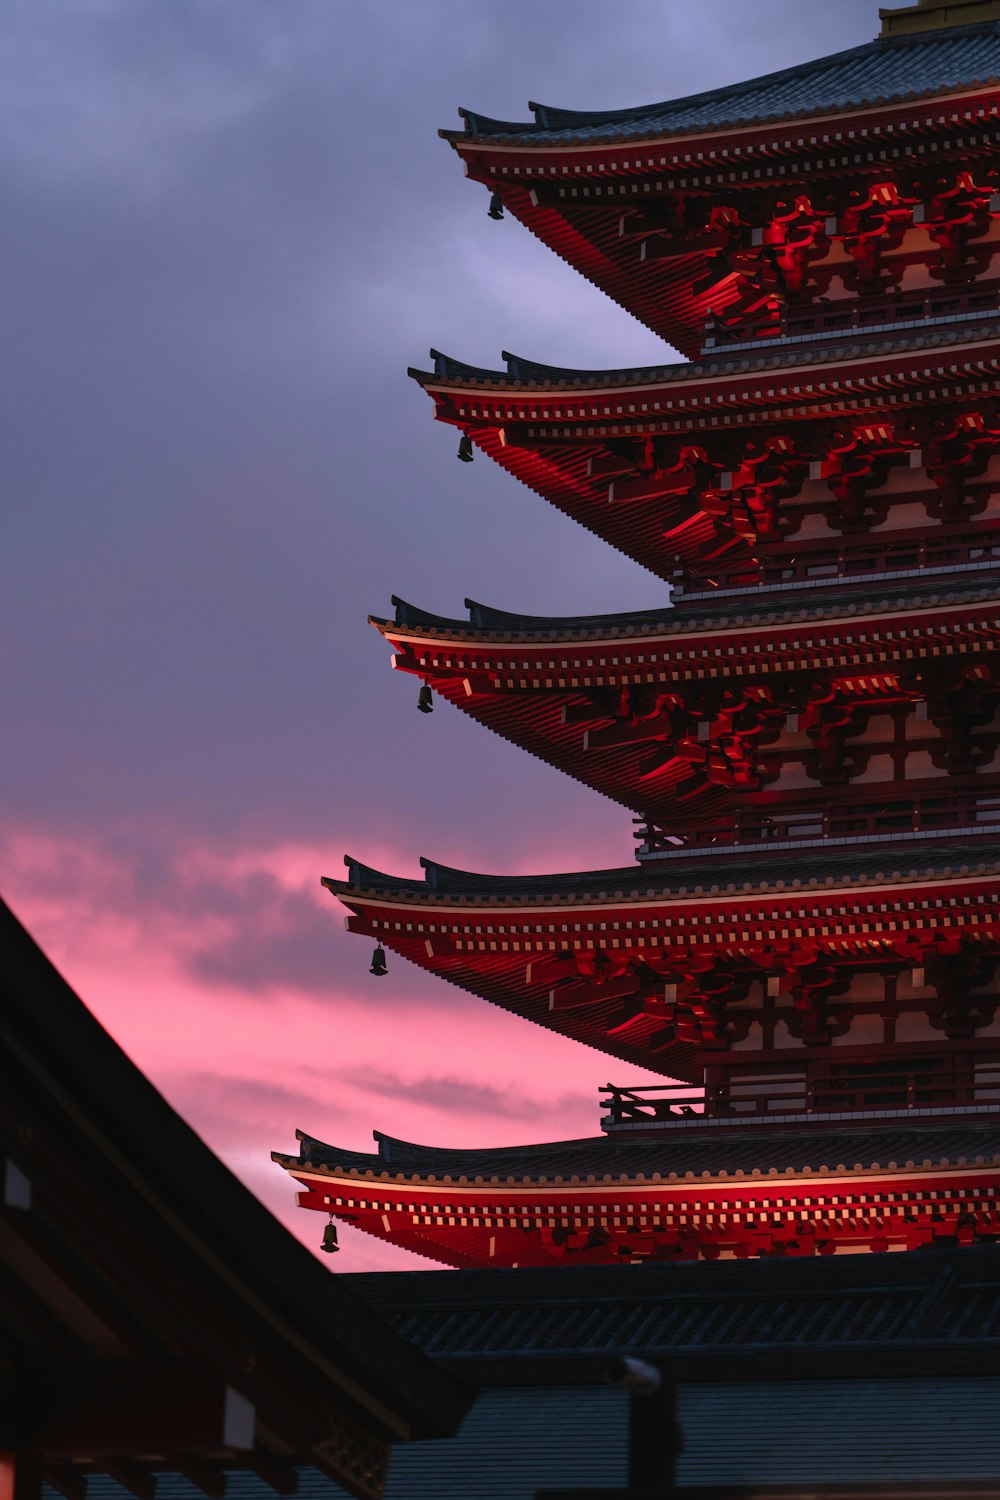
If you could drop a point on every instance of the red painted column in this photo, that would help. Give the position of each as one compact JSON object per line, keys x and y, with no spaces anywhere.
{"x":20,"y":1475}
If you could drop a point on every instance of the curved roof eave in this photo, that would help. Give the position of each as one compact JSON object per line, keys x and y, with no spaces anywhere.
{"x":527,"y":375}
{"x":889,"y":70}
{"x":583,"y":1162}
{"x":484,"y":620}
{"x":487,"y":626}
{"x":812,"y":869}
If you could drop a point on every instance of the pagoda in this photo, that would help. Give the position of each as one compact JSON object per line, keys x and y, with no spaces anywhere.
{"x":807,"y":945}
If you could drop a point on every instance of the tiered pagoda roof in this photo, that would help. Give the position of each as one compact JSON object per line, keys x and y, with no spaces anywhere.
{"x":652,"y":460}
{"x":643,"y":200}
{"x":810,"y":734}
{"x":699,"y":1152}
{"x":588,"y":955}
{"x":828,"y":868}
{"x":745,"y":608}
{"x":615,"y":700}
{"x":881,"y":72}
{"x":733,"y":1191}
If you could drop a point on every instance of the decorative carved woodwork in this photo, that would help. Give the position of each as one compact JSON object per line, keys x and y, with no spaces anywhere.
{"x":756,"y":253}
{"x":959,"y":214}
{"x":957,"y":1011}
{"x":959,"y":702}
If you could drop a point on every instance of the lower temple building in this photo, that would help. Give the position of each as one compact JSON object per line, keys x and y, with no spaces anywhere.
{"x":851,"y":1377}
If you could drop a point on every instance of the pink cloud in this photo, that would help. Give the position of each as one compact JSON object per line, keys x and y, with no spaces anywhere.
{"x":325,"y":1048}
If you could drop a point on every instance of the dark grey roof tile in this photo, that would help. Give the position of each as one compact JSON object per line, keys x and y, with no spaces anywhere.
{"x":742,"y":1148}
{"x":811,"y":867}
{"x":843,"y":346}
{"x":882,"y":71}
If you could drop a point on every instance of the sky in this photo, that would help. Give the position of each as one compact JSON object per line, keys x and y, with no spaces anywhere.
{"x":228,"y":228}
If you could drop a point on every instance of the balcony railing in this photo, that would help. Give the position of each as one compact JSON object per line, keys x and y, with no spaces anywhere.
{"x":873,"y":818}
{"x":896,"y":1091}
{"x":847,"y":559}
{"x":851,"y":315}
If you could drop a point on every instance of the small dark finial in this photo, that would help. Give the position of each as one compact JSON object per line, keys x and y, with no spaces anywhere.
{"x":496,"y":206}
{"x":425,"y":700}
{"x":379,"y":965}
{"x":465,"y":452}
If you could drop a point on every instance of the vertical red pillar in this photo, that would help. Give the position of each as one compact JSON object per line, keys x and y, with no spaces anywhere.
{"x":20,"y":1475}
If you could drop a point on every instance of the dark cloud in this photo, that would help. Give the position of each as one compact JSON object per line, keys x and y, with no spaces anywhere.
{"x":458,"y":1096}
{"x":248,"y":1098}
{"x":229,"y":226}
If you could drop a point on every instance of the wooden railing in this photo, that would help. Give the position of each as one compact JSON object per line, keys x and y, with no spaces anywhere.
{"x":870,"y":818}
{"x":919,"y":1087}
{"x":842,"y":559}
{"x":852,"y":315}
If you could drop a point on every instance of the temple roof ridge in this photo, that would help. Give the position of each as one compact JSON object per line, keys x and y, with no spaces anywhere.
{"x":745,"y":609}
{"x":848,"y":344}
{"x":484,"y":617}
{"x":887,"y":70}
{"x":912,"y":859}
{"x":410,"y":615}
{"x":752,"y":1151}
{"x":393,"y":1148}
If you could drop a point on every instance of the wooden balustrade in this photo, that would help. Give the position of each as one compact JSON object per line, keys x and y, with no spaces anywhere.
{"x":868,"y":819}
{"x":918,"y":1087}
{"x":851,"y":315}
{"x":844,"y":559}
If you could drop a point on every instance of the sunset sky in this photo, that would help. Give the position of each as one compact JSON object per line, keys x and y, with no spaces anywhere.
{"x":228,"y":227}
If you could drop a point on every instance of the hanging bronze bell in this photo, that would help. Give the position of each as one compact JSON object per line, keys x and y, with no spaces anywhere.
{"x":379,"y":965}
{"x":496,"y":206}
{"x":425,"y":700}
{"x":465,"y":452}
{"x":329,"y":1242}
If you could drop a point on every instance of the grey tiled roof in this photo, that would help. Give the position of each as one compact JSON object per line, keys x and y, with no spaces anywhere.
{"x":811,"y":868}
{"x":843,"y":346}
{"x":945,"y":1296}
{"x":839,"y":600}
{"x":882,"y":71}
{"x":741,"y":1149}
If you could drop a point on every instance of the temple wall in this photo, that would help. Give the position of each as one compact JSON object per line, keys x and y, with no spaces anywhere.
{"x":866,"y":998}
{"x":920,"y":273}
{"x":879,"y":737}
{"x":907,"y":488}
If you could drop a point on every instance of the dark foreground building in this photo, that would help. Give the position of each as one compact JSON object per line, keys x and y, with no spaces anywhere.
{"x":160,"y":1331}
{"x":848,"y":1372}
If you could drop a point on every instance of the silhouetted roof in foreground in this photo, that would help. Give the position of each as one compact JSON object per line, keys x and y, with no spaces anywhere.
{"x":927,"y":1297}
{"x":127,"y":1246}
